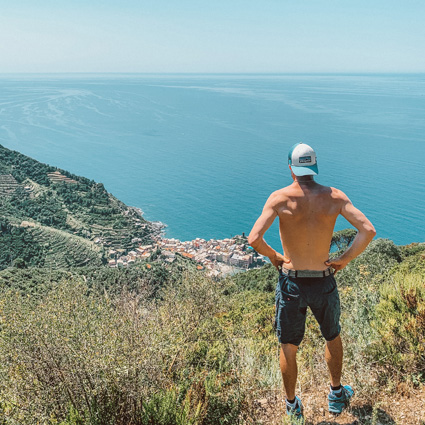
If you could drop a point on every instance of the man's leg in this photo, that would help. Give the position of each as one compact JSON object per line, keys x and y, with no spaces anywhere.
{"x":333,"y":356}
{"x":288,"y":367}
{"x":339,"y":396}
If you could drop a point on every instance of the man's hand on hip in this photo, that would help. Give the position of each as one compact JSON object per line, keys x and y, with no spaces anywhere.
{"x":278,"y":260}
{"x":337,"y":264}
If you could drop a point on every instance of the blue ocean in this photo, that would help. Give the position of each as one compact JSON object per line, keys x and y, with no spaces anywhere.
{"x":202,"y":153}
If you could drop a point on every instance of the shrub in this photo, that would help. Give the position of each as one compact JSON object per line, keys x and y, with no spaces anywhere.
{"x":81,"y":357}
{"x":412,"y":249}
{"x":400,"y":323}
{"x":263,"y":279}
{"x":413,"y":263}
{"x":70,"y":348}
{"x":373,"y":264}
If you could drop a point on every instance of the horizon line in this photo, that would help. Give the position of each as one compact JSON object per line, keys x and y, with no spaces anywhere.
{"x":217,"y":73}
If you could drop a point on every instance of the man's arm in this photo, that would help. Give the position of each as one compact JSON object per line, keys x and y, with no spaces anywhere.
{"x":365,"y":233}
{"x":256,"y":237}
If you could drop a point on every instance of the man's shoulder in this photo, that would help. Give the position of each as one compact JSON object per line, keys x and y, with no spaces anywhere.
{"x":338,"y":194}
{"x":283,"y":192}
{"x":279,"y":196}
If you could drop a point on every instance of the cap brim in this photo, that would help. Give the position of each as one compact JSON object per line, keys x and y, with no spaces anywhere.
{"x":306,"y":170}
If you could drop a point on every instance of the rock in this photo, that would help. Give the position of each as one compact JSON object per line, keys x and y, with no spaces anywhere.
{"x":263,"y":402}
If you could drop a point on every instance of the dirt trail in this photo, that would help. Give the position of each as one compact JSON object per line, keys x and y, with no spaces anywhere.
{"x":408,"y":409}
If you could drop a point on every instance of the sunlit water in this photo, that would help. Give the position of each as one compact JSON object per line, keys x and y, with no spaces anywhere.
{"x":202,"y":153}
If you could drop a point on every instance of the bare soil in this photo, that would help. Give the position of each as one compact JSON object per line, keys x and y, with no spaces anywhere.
{"x":404,"y":407}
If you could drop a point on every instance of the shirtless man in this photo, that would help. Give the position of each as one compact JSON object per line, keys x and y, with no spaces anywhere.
{"x":307,"y":213}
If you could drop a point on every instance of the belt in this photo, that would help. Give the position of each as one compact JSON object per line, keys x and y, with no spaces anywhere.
{"x":307,"y":273}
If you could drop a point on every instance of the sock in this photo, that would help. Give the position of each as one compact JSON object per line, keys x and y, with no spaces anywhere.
{"x":291,"y":403}
{"x":336,"y":389}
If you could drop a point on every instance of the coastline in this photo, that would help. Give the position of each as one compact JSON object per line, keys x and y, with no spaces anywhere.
{"x":219,"y":257}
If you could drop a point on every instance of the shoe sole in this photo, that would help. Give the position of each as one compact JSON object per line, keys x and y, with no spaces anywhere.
{"x":337,"y":411}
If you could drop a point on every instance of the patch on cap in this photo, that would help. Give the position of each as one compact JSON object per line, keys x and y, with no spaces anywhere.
{"x":304,"y":159}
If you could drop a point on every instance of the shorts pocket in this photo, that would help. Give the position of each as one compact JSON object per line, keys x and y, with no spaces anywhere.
{"x":331,"y":287}
{"x":289,"y":292}
{"x":289,"y":297}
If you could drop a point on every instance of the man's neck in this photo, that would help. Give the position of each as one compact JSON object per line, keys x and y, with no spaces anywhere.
{"x":304,"y":179}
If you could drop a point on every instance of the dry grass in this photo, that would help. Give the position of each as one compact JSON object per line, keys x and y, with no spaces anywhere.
{"x":201,"y":353}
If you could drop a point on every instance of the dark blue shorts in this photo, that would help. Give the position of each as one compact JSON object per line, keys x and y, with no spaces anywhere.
{"x":294,"y":295}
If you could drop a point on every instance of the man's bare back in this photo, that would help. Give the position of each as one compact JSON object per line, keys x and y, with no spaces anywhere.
{"x":307,"y":214}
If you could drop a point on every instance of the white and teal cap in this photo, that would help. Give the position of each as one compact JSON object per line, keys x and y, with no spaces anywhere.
{"x":303,"y":160}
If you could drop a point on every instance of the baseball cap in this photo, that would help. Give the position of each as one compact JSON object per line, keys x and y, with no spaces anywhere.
{"x":303,"y":160}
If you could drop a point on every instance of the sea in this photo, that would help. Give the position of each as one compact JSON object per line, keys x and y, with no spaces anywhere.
{"x":202,"y":153}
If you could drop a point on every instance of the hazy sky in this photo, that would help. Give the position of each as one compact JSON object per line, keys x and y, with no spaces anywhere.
{"x":212,"y":36}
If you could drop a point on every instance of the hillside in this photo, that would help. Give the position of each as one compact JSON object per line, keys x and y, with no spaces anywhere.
{"x":97,"y":346}
{"x":163,"y":343}
{"x":68,"y":219}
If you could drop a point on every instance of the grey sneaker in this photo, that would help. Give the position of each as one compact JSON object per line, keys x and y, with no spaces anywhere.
{"x":340,"y":399}
{"x":295,"y":413}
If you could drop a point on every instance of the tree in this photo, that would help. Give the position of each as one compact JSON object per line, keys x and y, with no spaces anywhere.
{"x":19,"y":263}
{"x":342,"y":239}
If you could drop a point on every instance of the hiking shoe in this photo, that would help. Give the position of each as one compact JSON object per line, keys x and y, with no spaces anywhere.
{"x":340,"y":399}
{"x":295,"y":413}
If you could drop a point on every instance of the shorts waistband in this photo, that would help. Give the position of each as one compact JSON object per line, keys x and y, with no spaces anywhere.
{"x":306,"y":273}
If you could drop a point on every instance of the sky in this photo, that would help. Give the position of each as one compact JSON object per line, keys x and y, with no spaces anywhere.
{"x":219,"y":36}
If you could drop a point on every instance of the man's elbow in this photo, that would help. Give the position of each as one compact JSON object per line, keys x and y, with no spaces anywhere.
{"x":254,"y":239}
{"x":370,"y":231}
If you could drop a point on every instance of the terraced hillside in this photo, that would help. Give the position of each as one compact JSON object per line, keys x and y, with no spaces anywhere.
{"x":88,"y":217}
{"x":62,"y":249}
{"x":57,"y":177}
{"x":8,"y":184}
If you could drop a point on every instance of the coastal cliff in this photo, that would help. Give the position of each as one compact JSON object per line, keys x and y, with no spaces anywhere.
{"x":50,"y":217}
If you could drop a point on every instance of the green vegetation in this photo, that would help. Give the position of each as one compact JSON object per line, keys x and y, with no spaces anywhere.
{"x":38,"y":245}
{"x":19,"y":248}
{"x":343,"y":238}
{"x":400,"y":322}
{"x":162,"y":343}
{"x":47,"y":199}
{"x":168,"y":345}
{"x":145,"y":278}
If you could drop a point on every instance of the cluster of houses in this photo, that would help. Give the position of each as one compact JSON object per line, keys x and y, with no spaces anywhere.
{"x":214,"y":254}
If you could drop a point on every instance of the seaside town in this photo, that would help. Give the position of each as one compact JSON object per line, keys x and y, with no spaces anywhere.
{"x":217,"y":256}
